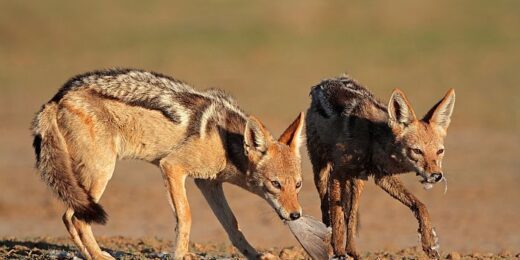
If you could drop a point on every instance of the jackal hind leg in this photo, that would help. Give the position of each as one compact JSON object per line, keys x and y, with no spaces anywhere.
{"x":93,"y":156}
{"x":214,"y":195}
{"x":321,"y":180}
{"x":84,"y":230}
{"x":396,"y":189}
{"x":67,"y":220}
{"x":175,"y":181}
{"x":351,"y":196}
{"x":336,"y":191}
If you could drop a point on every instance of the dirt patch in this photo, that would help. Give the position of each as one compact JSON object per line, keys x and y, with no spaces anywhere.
{"x":154,"y":248}
{"x":268,"y":56}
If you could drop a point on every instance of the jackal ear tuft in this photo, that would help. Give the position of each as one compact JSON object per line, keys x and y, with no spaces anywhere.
{"x":292,"y":136}
{"x":399,"y":108}
{"x":440,"y":113}
{"x":256,"y":137}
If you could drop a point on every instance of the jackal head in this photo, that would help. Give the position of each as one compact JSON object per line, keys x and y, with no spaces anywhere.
{"x":274,"y":170}
{"x":420,"y":143}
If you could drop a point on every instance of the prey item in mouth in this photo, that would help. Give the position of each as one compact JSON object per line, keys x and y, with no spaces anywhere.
{"x":313,"y":235}
{"x":428,"y":185}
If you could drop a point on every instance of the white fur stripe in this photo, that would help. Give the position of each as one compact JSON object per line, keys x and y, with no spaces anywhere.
{"x":206,"y":115}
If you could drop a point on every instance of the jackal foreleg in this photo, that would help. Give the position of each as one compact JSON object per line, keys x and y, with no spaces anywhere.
{"x":395,"y":188}
{"x":353,"y":190}
{"x":337,"y":212}
{"x":175,"y":178}
{"x":321,"y":180}
{"x":216,"y":199}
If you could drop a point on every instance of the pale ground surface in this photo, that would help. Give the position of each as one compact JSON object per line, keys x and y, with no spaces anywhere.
{"x":153,"y":248}
{"x":268,"y":55}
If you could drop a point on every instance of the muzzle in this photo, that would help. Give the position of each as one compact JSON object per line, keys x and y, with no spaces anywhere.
{"x":429,"y":179}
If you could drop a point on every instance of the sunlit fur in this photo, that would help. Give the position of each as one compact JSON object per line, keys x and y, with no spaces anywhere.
{"x":100,"y":117}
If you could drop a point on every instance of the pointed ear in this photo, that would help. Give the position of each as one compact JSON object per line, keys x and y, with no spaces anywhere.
{"x":440,"y":113}
{"x":399,"y":108}
{"x":292,"y":135}
{"x":256,"y":137}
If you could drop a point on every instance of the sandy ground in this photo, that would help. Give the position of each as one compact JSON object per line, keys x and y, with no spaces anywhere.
{"x":268,"y":55}
{"x":152,"y":248}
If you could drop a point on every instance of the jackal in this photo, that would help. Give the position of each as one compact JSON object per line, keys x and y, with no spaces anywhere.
{"x":352,"y":136}
{"x":100,"y":117}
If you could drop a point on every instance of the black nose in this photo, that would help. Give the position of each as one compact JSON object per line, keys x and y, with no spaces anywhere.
{"x":437,"y":176}
{"x":295,"y":215}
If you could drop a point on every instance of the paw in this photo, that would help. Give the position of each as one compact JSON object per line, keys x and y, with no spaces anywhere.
{"x":433,"y":250}
{"x":267,"y":256}
{"x":435,"y":238}
{"x":432,"y":253}
{"x":104,"y":256}
{"x":431,"y":247}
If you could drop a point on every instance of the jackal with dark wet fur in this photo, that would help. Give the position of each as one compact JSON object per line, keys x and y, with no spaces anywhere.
{"x":352,"y":136}
{"x":100,"y":117}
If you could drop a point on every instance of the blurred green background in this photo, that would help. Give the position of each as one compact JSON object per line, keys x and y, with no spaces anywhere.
{"x":268,"y":54}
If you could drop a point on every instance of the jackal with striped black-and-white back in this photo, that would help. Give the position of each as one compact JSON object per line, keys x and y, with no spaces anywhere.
{"x":100,"y":117}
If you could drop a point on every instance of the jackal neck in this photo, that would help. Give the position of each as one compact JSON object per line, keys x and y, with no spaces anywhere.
{"x":232,"y":133}
{"x":385,"y":157}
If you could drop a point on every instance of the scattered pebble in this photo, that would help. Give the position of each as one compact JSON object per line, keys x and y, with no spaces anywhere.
{"x":453,"y":256}
{"x":127,"y":249}
{"x":505,"y":253}
{"x":290,"y":253}
{"x":476,"y":255}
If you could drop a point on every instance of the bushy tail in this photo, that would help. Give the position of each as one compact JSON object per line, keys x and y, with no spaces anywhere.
{"x":54,"y":163}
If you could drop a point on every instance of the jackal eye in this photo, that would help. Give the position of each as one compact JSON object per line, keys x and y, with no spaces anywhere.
{"x":298,"y":184}
{"x":417,"y":151}
{"x":440,"y":151}
{"x":276,"y":184}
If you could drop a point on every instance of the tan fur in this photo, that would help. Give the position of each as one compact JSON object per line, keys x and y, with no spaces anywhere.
{"x":352,"y":136}
{"x":101,"y":117}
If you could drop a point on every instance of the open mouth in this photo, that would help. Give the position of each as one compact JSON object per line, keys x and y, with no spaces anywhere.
{"x":428,"y":181}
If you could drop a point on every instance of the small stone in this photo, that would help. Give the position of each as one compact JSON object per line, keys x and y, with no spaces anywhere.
{"x":453,"y":256}
{"x":163,"y":255}
{"x":476,"y":255}
{"x":63,"y":255}
{"x":198,"y":247}
{"x":489,"y":255}
{"x":147,"y":250}
{"x":505,"y":253}
{"x":268,"y":256}
{"x":289,"y":253}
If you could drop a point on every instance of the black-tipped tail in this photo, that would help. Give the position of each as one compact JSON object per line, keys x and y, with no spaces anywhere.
{"x":91,"y":213}
{"x":54,"y":163}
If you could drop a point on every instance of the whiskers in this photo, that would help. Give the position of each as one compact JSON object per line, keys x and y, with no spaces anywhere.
{"x":427,"y":185}
{"x":445,"y":184}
